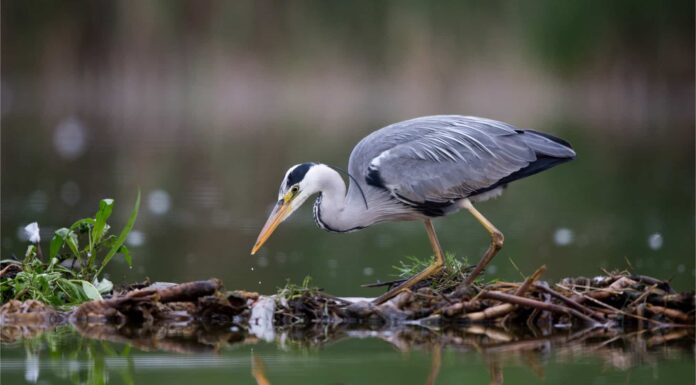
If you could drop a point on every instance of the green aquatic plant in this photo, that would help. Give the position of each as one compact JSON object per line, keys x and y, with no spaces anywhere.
{"x":293,"y":291}
{"x":454,"y":272}
{"x":77,"y":256}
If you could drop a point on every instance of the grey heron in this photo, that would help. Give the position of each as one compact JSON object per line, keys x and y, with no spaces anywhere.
{"x":419,"y":169}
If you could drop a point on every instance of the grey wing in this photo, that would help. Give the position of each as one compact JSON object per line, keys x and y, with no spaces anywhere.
{"x":440,"y":159}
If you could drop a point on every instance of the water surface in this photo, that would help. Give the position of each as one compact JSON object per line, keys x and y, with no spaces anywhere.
{"x":397,"y":356}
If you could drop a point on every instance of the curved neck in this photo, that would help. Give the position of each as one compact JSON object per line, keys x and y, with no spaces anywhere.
{"x":334,"y":210}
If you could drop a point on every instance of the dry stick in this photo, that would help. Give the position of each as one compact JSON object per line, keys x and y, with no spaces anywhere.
{"x":569,"y":301}
{"x":530,"y":280}
{"x":524,"y":287}
{"x":9,"y":267}
{"x":491,"y":312}
{"x":645,"y":294}
{"x":619,"y":311}
{"x":505,"y":308}
{"x":616,"y":310}
{"x":527,"y":302}
{"x":671,"y":313}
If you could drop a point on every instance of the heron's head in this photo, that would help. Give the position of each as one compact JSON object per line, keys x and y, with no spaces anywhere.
{"x":300,"y":182}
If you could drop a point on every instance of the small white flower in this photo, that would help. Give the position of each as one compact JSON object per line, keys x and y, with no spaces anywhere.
{"x":32,"y":232}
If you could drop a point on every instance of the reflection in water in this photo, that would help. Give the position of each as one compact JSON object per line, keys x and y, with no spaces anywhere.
{"x":92,"y":359}
{"x":31,"y":368}
{"x":435,"y":364}
{"x":258,"y":370}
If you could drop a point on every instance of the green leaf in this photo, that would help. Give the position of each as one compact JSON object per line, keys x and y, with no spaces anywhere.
{"x":122,"y":236}
{"x":31,"y":252}
{"x":70,"y":238}
{"x":54,"y":261}
{"x":83,"y":221}
{"x":90,"y":291}
{"x":104,"y":286}
{"x":56,"y":243}
{"x":126,"y":255}
{"x":62,"y":232}
{"x":105,"y":208}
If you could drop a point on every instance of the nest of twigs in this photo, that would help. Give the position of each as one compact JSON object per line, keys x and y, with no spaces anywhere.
{"x":611,"y":301}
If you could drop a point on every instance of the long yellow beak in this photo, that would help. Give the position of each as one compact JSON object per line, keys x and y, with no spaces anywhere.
{"x":280,"y":211}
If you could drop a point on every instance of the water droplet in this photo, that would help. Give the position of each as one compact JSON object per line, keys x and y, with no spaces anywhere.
{"x":259,"y":282}
{"x":492,"y":269}
{"x":332,"y":263}
{"x":655,"y":241}
{"x":681,"y":268}
{"x":368,"y":271}
{"x":252,"y":268}
{"x":563,"y":236}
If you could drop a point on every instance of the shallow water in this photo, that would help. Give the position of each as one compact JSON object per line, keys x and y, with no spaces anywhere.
{"x":397,"y":356}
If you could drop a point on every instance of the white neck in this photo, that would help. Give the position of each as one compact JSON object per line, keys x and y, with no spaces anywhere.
{"x":334,"y":210}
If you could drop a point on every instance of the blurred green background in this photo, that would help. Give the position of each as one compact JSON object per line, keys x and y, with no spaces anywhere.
{"x":205,"y":104}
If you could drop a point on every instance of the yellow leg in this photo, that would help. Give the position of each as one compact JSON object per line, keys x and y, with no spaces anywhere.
{"x":495,"y":246}
{"x":434,"y":268}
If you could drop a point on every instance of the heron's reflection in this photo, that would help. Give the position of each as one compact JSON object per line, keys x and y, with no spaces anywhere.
{"x":258,"y":370}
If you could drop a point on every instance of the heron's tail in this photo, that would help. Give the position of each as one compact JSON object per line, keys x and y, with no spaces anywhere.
{"x":550,"y":151}
{"x":546,"y":145}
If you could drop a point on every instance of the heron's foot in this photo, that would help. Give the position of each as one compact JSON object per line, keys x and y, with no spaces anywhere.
{"x":429,"y":271}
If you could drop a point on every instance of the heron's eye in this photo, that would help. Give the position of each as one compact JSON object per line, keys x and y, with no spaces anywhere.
{"x":294,"y":189}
